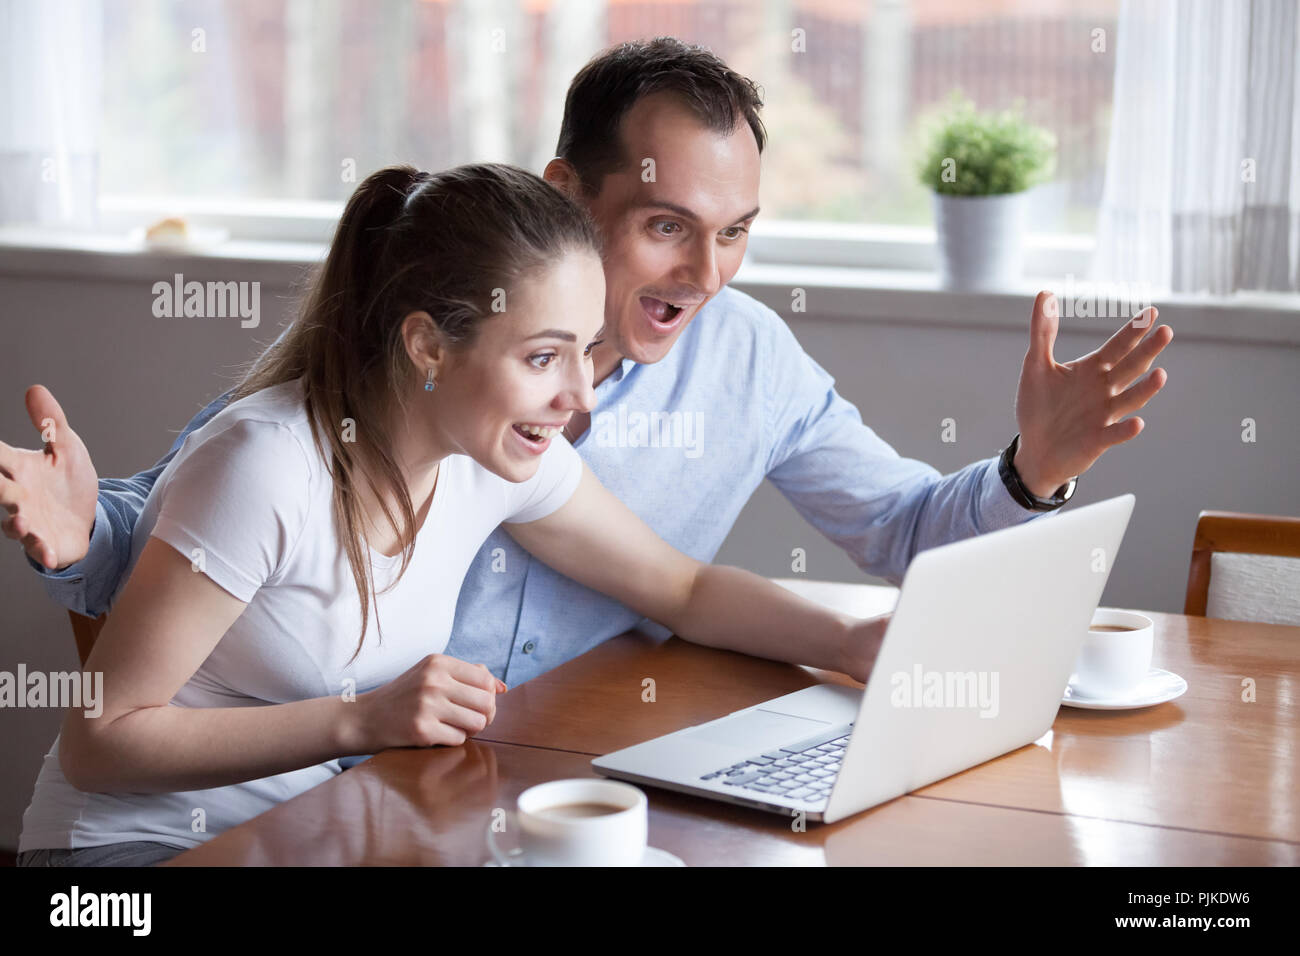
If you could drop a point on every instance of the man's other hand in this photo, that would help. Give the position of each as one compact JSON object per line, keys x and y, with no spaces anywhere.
{"x":49,"y":495}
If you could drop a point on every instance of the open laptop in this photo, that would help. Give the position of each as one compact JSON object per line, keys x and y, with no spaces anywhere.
{"x":974,"y":664}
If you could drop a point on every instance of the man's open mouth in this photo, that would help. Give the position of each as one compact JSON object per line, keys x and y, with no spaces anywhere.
{"x":659,"y":310}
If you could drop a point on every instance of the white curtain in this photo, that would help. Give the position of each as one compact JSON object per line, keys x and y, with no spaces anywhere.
{"x":51,"y":54}
{"x":1202,"y":186}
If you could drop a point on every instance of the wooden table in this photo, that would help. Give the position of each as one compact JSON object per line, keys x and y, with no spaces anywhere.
{"x":1209,"y":779}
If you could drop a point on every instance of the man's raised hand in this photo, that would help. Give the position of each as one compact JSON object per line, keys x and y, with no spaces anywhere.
{"x":1070,"y":414}
{"x":48,"y":496}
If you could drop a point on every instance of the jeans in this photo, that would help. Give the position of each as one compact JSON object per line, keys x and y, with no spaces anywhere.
{"x":113,"y":854}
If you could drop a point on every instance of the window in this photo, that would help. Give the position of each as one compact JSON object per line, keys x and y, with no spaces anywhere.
{"x":248,"y":104}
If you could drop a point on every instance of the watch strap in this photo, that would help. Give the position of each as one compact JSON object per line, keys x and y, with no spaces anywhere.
{"x":1022,"y":495}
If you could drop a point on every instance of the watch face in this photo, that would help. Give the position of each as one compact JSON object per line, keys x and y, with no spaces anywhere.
{"x":1062,"y":495}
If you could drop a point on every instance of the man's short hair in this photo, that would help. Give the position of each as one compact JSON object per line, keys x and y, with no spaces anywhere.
{"x":608,"y":86}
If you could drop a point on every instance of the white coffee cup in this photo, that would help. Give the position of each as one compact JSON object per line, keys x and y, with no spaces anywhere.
{"x":1113,"y":663}
{"x":547,"y":836}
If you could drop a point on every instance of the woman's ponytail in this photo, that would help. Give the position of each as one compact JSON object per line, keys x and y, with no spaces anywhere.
{"x":375,"y":205}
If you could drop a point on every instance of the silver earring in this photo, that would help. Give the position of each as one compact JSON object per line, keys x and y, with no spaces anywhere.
{"x":428,"y":382}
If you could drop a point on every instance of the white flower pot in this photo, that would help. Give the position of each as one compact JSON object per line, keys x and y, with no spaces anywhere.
{"x":979,"y":240}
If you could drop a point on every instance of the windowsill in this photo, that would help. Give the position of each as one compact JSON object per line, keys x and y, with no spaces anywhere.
{"x":873,"y":295}
{"x":908,"y":297}
{"x":33,"y":252}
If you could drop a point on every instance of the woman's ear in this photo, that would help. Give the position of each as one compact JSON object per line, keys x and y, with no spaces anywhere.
{"x":426,"y":346}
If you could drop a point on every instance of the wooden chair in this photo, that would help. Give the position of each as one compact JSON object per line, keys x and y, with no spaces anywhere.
{"x":1263,"y":587}
{"x":84,"y":631}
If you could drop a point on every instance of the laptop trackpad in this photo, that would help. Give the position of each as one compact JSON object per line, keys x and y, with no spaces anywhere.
{"x":758,"y":728}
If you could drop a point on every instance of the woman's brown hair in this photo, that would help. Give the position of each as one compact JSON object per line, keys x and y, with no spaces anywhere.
{"x":407,"y":241}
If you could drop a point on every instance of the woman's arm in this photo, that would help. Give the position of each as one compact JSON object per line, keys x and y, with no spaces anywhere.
{"x":166,"y":623}
{"x":597,"y":540}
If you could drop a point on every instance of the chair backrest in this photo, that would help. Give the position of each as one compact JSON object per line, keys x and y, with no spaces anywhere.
{"x":84,"y":631}
{"x":1245,"y":567}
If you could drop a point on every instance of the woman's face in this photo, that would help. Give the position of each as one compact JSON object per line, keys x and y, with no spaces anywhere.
{"x":528,"y":371}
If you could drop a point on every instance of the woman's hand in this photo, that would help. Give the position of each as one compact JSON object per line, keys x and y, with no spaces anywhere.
{"x":441,"y":700}
{"x":865,"y":638}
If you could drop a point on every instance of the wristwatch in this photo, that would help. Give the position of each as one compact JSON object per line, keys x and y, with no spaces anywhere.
{"x":1023,"y":496}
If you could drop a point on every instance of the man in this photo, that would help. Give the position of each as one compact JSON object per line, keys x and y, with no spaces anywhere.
{"x":661,"y":143}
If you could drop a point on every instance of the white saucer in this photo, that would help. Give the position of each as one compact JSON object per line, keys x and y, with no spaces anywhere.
{"x":1156,"y":688}
{"x":653,"y":857}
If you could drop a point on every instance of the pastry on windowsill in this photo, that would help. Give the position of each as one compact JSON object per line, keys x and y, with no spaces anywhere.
{"x":171,"y":229}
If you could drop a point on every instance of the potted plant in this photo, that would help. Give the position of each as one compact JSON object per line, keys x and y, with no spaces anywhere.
{"x":978,"y":167}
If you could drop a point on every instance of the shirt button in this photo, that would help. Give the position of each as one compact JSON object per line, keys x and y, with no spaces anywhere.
{"x":528,"y":648}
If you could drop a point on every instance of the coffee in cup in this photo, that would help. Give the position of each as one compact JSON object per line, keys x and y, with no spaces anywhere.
{"x":1116,"y":654}
{"x":578,"y":822}
{"x":568,"y":810}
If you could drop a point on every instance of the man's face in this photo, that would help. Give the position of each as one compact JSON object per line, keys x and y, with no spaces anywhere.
{"x":672,"y":243}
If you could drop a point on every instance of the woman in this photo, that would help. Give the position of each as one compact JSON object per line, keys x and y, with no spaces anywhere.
{"x":283,"y":613}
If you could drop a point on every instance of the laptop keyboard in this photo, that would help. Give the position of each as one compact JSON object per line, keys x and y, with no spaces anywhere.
{"x":804,"y":770}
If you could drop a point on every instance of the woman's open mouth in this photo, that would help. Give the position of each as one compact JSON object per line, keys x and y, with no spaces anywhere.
{"x":536,"y":438}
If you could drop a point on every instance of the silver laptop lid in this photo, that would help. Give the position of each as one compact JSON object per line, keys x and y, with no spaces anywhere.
{"x":978,"y":652}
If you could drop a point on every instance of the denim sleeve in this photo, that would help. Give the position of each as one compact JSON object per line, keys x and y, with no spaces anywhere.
{"x":850,"y":484}
{"x":88,"y":585}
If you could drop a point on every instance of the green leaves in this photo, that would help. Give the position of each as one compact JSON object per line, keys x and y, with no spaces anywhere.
{"x":967,"y":153}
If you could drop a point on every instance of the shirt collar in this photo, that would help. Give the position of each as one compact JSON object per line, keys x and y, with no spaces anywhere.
{"x":619,"y":373}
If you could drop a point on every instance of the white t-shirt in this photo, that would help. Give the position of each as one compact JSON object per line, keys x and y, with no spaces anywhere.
{"x":248,"y":499}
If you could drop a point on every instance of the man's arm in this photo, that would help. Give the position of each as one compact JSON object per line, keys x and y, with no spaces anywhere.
{"x":852,"y":486}
{"x":883,"y":509}
{"x":87,"y":585}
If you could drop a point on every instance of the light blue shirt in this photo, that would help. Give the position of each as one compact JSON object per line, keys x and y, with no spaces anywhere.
{"x":684,"y":443}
